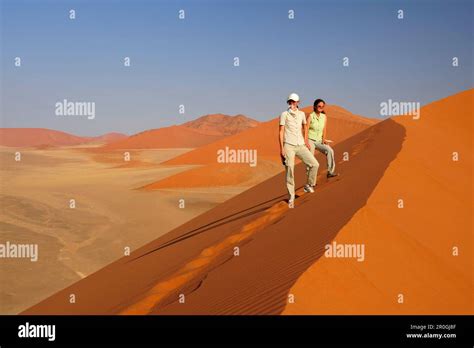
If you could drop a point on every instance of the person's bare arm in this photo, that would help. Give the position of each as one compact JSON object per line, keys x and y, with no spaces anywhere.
{"x":306,"y":131}
{"x":281,"y":135}
{"x":324,"y":131}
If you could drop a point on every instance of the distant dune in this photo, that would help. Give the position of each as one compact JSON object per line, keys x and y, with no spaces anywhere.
{"x":110,"y":137}
{"x":221,"y":124}
{"x":264,"y":139}
{"x":45,"y":138}
{"x":280,"y":266}
{"x":202,"y":131}
{"x":162,"y":138}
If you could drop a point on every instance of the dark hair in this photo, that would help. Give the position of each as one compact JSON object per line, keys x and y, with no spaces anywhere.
{"x":316,"y":102}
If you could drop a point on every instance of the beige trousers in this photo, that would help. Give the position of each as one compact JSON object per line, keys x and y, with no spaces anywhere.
{"x":303,"y":153}
{"x":327,"y":150}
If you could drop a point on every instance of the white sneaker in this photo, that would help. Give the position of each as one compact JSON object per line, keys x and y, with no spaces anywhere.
{"x":291,"y":202}
{"x":308,"y":189}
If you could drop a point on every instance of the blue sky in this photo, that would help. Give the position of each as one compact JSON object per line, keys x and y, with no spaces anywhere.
{"x":190,"y":61}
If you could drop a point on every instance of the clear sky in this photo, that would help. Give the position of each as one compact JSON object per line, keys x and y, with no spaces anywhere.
{"x":191,"y":61}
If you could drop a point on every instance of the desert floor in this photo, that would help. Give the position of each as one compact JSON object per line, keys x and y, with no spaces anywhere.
{"x":111,"y":213}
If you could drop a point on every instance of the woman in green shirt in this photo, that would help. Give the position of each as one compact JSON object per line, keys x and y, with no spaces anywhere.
{"x":316,"y":123}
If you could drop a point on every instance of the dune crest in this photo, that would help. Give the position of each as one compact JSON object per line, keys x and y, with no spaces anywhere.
{"x":221,"y":124}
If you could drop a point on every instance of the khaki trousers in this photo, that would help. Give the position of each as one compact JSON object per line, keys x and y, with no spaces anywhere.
{"x":327,"y":150}
{"x":303,"y":153}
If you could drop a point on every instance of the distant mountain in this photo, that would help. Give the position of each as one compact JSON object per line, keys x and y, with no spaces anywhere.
{"x":222,"y":124}
{"x":201,"y":131}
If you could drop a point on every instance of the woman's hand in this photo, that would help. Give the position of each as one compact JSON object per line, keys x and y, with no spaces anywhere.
{"x":283,"y":155}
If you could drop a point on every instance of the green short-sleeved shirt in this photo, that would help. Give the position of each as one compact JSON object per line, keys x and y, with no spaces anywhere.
{"x":316,"y":126}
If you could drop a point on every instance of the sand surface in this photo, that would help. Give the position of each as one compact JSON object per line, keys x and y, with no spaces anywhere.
{"x":252,"y":254}
{"x":196,"y":259}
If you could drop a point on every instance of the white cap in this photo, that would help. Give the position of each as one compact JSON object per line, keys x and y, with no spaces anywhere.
{"x":293,"y":96}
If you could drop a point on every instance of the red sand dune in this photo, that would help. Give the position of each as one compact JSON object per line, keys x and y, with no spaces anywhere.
{"x":24,"y":137}
{"x":281,"y":250}
{"x":196,"y":133}
{"x":263,"y":138}
{"x":167,"y":137}
{"x":46,"y":138}
{"x":221,"y":124}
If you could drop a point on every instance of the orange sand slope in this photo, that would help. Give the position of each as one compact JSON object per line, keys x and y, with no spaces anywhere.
{"x":253,"y":255}
{"x":218,"y":175}
{"x":409,"y":251}
{"x":264,"y":139}
{"x":26,"y":137}
{"x":204,"y":130}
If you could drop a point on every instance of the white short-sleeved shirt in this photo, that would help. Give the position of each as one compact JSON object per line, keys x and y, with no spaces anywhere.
{"x":293,"y":122}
